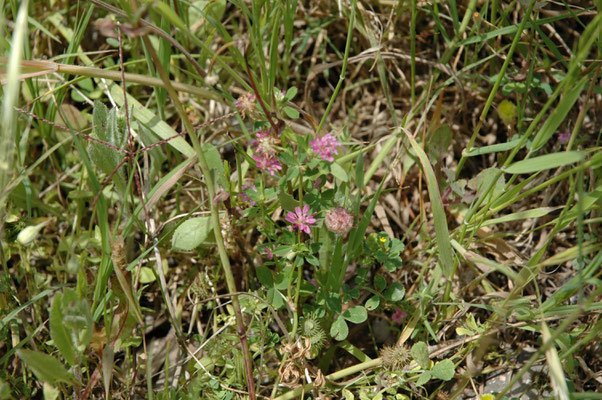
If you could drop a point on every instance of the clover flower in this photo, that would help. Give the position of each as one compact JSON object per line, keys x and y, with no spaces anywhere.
{"x":325,"y":146}
{"x":338,"y":221}
{"x":269,"y":253}
{"x":267,"y":162}
{"x":301,"y":219}
{"x":564,"y":137}
{"x":246,"y":104}
{"x":399,"y":315}
{"x":265,"y":142}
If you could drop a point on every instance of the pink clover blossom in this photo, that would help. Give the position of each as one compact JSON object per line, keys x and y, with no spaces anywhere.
{"x":325,"y":146}
{"x":301,"y":219}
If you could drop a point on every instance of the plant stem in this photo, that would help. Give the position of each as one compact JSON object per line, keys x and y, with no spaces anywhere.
{"x":225,"y":261}
{"x":343,"y":68}
{"x":47,"y":67}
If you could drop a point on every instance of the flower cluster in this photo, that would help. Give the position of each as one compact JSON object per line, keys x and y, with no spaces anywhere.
{"x":265,"y":146}
{"x":325,"y":146}
{"x":338,"y":221}
{"x":246,"y":104}
{"x":301,"y":219}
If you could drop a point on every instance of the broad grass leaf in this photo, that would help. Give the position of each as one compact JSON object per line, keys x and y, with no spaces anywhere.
{"x":494,"y":148}
{"x":559,"y":114}
{"x":58,"y":331}
{"x":191,"y":233}
{"x":149,"y":119}
{"x":441,"y":229}
{"x":359,"y":172}
{"x":544,"y":162}
{"x":45,"y":367}
{"x":527,"y":214}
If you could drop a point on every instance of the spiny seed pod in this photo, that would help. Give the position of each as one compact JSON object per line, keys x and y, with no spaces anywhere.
{"x":395,"y":357}
{"x":338,"y":221}
{"x":314,"y":332}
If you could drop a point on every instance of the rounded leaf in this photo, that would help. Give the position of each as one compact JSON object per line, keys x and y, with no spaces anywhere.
{"x":339,"y":329}
{"x":444,"y":370}
{"x":356,"y":314}
{"x":191,"y":233}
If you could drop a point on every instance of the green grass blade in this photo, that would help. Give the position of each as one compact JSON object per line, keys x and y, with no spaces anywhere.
{"x":441,"y":230}
{"x":547,"y":161}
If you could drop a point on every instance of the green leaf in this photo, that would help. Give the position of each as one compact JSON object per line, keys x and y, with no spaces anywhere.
{"x":290,"y":93}
{"x":527,"y":214}
{"x":559,"y":114}
{"x":372,"y":303}
{"x":441,"y":229}
{"x":395,"y":292}
{"x":214,"y":161}
{"x":420,"y":353}
{"x":485,"y":179}
{"x":333,"y":302}
{"x":444,"y":370}
{"x":275,"y":298}
{"x":339,"y":329}
{"x":264,"y":274}
{"x":438,"y":142}
{"x":338,"y":172}
{"x":380,"y":283}
{"x":109,"y":126}
{"x":286,"y":201}
{"x":544,"y":162}
{"x":359,"y":172}
{"x":147,"y":275}
{"x":291,"y":112}
{"x":494,"y":148}
{"x":77,"y":319}
{"x":356,"y":314}
{"x":150,"y":120}
{"x":58,"y":331}
{"x":191,"y":233}
{"x":423,"y":378}
{"x":47,"y":368}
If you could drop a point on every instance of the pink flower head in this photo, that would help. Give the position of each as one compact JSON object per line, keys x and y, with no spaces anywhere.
{"x":246,"y":104}
{"x":399,"y":315}
{"x":266,"y":162}
{"x":244,"y":197}
{"x":325,"y":146}
{"x":265,"y":142}
{"x":338,"y":221}
{"x":301,"y":219}
{"x":268,"y":253}
{"x":564,"y":137}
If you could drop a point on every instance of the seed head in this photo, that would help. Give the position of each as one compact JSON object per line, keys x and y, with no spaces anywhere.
{"x":338,"y":221}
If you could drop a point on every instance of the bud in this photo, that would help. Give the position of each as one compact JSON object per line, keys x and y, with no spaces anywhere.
{"x":30,"y":233}
{"x":338,"y":221}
